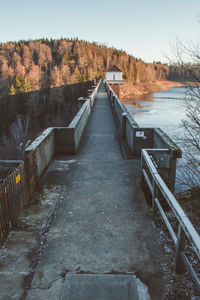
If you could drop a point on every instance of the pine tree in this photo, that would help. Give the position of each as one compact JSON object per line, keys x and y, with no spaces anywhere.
{"x":84,"y":79}
{"x":26,"y":85}
{"x":12,"y":90}
{"x":18,"y":85}
{"x":78,"y":75}
{"x":65,"y":58}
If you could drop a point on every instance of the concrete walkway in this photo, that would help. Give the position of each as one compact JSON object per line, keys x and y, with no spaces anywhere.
{"x":102,"y":225}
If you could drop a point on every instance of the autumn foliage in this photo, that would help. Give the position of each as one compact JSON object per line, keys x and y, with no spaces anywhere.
{"x":31,"y":65}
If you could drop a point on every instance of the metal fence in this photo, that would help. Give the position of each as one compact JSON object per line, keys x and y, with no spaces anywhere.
{"x":12,"y":200}
{"x":160,"y":193}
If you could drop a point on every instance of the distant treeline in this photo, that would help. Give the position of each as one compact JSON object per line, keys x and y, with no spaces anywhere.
{"x":31,"y":65}
{"x":184,"y":72}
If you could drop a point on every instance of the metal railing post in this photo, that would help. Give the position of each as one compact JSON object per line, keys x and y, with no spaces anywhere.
{"x":141,"y":170}
{"x":123,"y":127}
{"x":180,"y":266}
{"x":155,"y":195}
{"x":113,"y":101}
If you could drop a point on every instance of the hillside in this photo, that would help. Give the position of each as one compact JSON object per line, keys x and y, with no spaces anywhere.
{"x":31,"y":65}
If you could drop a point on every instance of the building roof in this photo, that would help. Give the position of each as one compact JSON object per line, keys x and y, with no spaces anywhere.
{"x":114,"y":69}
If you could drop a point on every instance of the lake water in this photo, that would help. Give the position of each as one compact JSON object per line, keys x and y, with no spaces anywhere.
{"x":164,"y":109}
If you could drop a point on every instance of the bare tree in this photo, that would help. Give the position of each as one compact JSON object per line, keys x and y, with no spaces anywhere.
{"x":191,"y":143}
{"x":189,"y":63}
{"x":14,"y":145}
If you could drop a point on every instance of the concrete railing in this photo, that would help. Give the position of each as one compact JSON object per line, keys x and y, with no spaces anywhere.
{"x":161,"y":193}
{"x":67,"y":139}
{"x":43,"y":148}
{"x":56,"y":140}
{"x":79,"y":122}
{"x":139,"y":138}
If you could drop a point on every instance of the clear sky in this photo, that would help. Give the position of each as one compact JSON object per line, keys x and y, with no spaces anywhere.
{"x":144,"y":28}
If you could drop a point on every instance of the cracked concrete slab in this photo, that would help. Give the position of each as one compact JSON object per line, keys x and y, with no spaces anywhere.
{"x":104,"y":287}
{"x":24,"y":245}
{"x":53,"y":292}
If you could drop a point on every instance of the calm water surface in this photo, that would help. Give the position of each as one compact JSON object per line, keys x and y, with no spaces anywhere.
{"x":164,"y":109}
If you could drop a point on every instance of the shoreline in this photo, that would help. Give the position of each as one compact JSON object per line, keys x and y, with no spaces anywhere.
{"x":130,"y":90}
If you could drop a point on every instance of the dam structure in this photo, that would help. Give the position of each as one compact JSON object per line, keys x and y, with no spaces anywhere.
{"x":101,"y":241}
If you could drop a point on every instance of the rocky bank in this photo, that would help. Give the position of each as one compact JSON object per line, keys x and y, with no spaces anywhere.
{"x":130,"y":90}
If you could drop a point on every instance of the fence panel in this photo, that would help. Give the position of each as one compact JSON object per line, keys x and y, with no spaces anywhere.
{"x":12,"y":200}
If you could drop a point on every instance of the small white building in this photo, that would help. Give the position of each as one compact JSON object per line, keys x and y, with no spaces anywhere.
{"x":114,"y":75}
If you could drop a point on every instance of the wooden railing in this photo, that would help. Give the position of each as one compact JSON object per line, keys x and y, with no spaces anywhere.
{"x":12,"y":200}
{"x":160,"y":193}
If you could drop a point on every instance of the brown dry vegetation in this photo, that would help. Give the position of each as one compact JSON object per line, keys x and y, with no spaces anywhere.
{"x":31,"y":65}
{"x":129,"y":90}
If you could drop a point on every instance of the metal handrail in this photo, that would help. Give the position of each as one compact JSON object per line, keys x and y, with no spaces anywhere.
{"x":186,"y":229}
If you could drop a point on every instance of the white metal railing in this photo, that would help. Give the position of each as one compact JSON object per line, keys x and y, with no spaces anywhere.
{"x":159,"y":189}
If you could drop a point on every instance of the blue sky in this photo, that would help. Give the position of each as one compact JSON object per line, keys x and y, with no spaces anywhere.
{"x":146,"y":29}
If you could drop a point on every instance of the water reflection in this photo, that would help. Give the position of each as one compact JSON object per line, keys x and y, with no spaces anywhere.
{"x":162,"y":109}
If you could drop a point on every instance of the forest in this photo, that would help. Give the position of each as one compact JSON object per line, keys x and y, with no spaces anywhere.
{"x":27,"y":66}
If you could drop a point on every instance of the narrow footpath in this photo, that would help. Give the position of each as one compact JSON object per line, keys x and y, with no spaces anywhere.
{"x":102,"y":224}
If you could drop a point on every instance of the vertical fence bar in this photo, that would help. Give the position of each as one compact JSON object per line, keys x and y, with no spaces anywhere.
{"x":5,"y":211}
{"x":19,"y":189}
{"x":8,"y":205}
{"x":113,"y":101}
{"x":180,"y":266}
{"x":21,"y":170}
{"x":141,"y":169}
{"x":12,"y":179}
{"x":1,"y":217}
{"x":155,"y":195}
{"x":10,"y":208}
{"x":12,"y":198}
{"x":123,"y":126}
{"x":11,"y":201}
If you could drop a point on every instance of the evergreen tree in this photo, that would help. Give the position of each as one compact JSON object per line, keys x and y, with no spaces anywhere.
{"x":18,"y":85}
{"x":12,"y":90}
{"x":26,"y":85}
{"x":78,"y":75}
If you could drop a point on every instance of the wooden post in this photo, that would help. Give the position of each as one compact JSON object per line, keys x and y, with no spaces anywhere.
{"x":180,"y":267}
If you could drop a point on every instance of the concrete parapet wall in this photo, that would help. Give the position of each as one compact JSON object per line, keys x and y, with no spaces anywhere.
{"x":162,"y":140}
{"x":79,"y":123}
{"x":43,"y":148}
{"x":56,"y":140}
{"x":139,"y":138}
{"x":124,"y":118}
